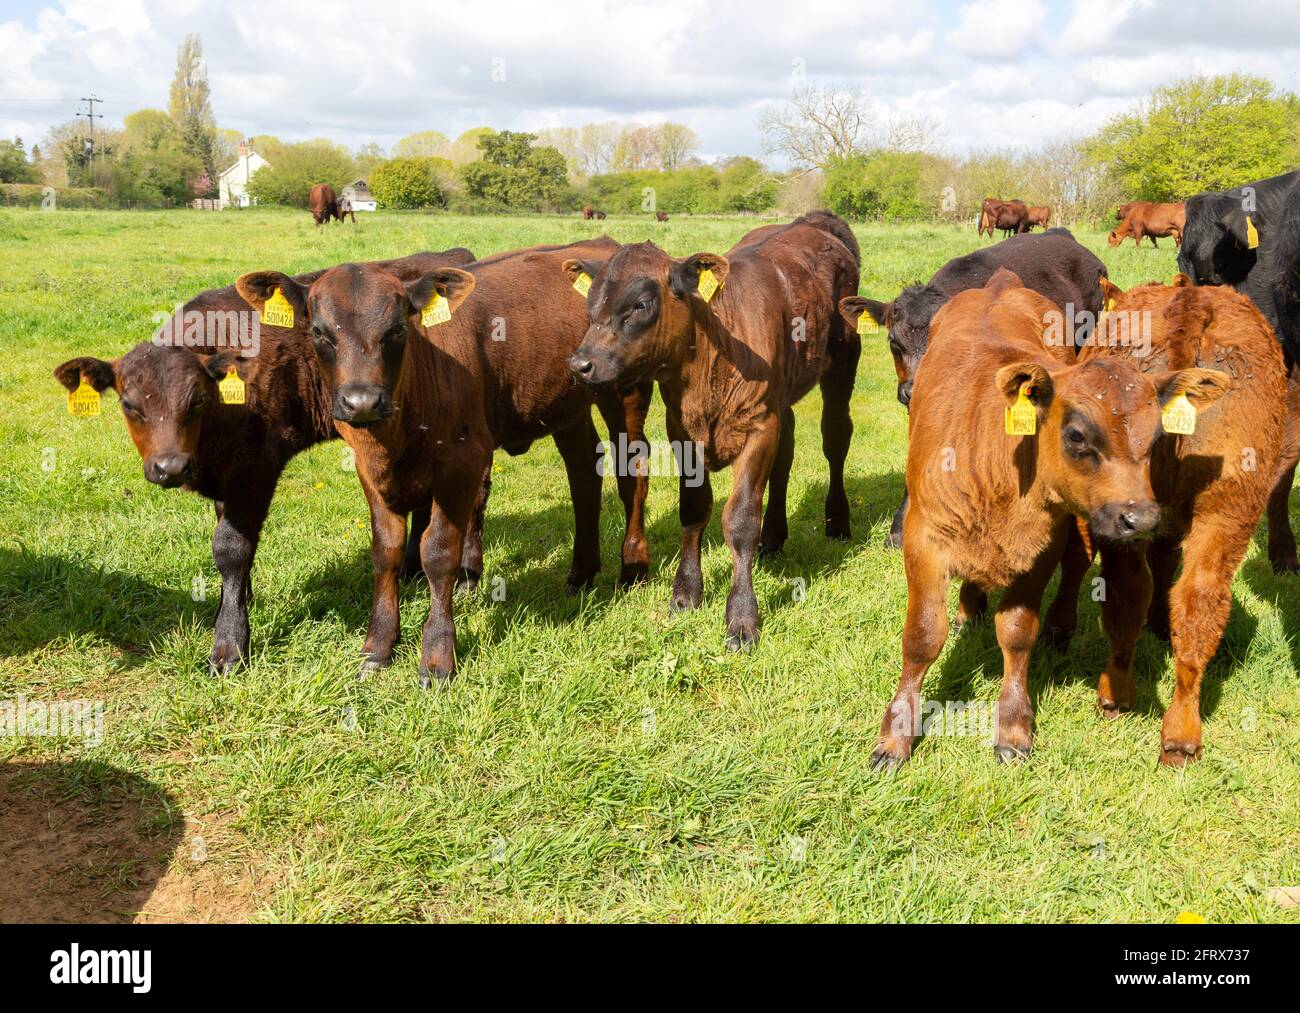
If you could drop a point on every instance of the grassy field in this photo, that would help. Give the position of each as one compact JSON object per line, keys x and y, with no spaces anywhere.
{"x":596,"y":758}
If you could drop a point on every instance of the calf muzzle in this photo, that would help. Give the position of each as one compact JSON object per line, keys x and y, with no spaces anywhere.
{"x":1125,"y":522}
{"x":360,"y":404}
{"x":169,"y":470}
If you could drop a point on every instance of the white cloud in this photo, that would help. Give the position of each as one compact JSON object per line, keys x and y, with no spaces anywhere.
{"x":997,"y":29}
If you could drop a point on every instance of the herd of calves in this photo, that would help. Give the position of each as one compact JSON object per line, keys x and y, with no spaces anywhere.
{"x":1032,"y":446}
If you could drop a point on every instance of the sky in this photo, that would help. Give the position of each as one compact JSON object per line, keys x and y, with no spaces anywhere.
{"x":991,"y":73}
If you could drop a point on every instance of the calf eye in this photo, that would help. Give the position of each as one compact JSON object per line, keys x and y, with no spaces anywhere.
{"x":127,"y":407}
{"x":197,"y":405}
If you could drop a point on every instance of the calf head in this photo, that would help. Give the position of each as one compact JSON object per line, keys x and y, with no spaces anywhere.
{"x":1217,"y":240}
{"x":361,"y":319}
{"x":1097,"y":425}
{"x":164,"y":393}
{"x":907,"y":321}
{"x":642,"y":309}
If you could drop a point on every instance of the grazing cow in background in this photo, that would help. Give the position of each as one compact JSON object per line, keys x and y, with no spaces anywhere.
{"x":995,"y":509}
{"x":661,"y":216}
{"x":1249,"y":238}
{"x":588,"y":213}
{"x":1142,"y":218}
{"x":1051,"y":263}
{"x":600,"y":216}
{"x":1212,"y":486}
{"x":734,"y":342}
{"x":324,"y":203}
{"x":1039,"y":215}
{"x":233,"y":454}
{"x":426,"y":380}
{"x":1011,"y":216}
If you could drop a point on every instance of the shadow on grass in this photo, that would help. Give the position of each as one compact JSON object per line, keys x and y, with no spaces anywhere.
{"x":81,"y":842}
{"x":47,"y":598}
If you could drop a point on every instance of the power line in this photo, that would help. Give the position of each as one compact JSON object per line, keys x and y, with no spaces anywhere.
{"x":91,"y":116}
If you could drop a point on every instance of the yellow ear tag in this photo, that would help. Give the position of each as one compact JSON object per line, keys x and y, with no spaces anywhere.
{"x":232,"y":388}
{"x":583,"y":285}
{"x":867,"y":324}
{"x":708,"y":284}
{"x":1252,"y":234}
{"x":277,"y":311}
{"x":1179,"y":416}
{"x":84,"y":401}
{"x":1022,"y":417}
{"x":1110,"y":305}
{"x":437,"y":311}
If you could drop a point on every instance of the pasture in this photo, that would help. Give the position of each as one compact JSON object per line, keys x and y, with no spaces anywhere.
{"x":596,"y":758}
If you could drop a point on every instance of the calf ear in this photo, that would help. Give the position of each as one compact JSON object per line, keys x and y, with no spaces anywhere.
{"x":258,"y":286}
{"x":1110,"y":292}
{"x":98,"y":373}
{"x":684,"y":277}
{"x":1041,"y":389}
{"x":1182,"y":281}
{"x":575,"y":269}
{"x":217,"y":365}
{"x":451,"y":283}
{"x":852,"y":307}
{"x":1202,"y":386}
{"x":1240,"y":227}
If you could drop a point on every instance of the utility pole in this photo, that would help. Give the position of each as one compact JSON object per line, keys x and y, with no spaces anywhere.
{"x":91,"y":116}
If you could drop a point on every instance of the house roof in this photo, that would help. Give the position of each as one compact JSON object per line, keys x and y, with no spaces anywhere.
{"x":236,"y":164}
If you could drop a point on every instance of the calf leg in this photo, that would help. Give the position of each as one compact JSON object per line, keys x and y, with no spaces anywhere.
{"x":471,"y":553}
{"x":741,"y":519}
{"x":579,"y":446}
{"x":387,"y":545}
{"x":694,"y":507}
{"x":1199,"y":607}
{"x":459,"y":488}
{"x":234,"y":544}
{"x":924,"y":633}
{"x":1127,"y":596}
{"x":1017,"y":628}
{"x":411,"y":559}
{"x":1163,"y":555}
{"x":894,"y":540}
{"x":1281,"y":539}
{"x":837,"y":427}
{"x":1063,"y":614}
{"x":775,"y":525}
{"x":972,"y":604}
{"x":626,"y":412}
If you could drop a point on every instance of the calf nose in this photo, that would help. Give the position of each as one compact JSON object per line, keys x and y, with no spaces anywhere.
{"x":581,"y":366}
{"x":1138,"y":519}
{"x":360,"y":402}
{"x":905,"y":393}
{"x":169,"y":470}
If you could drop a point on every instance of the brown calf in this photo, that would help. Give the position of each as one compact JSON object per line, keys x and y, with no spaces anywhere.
{"x":1040,"y":215}
{"x":995,"y":509}
{"x":1011,"y":216}
{"x":661,"y":216}
{"x":733,"y":341}
{"x":425,"y":381}
{"x":233,"y":454}
{"x":1212,"y":487}
{"x":1142,"y":218}
{"x":324,"y":204}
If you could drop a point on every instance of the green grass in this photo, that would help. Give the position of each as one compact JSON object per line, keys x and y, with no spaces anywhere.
{"x":596,"y":758}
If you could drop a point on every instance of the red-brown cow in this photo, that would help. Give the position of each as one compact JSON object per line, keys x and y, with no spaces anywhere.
{"x":734,"y":342}
{"x":1212,"y":486}
{"x":661,"y":216}
{"x":995,"y":509}
{"x":1011,"y":216}
{"x":324,"y":204}
{"x":234,"y":453}
{"x":1142,"y":218}
{"x":1040,"y":215}
{"x":425,"y":381}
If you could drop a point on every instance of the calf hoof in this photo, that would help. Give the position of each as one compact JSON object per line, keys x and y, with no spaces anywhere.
{"x":1058,"y":637}
{"x":770,"y":549}
{"x":1111,"y":709}
{"x":742,"y":639}
{"x":1285,"y":564}
{"x":224,"y":659}
{"x":1011,"y":754}
{"x":1179,"y":754}
{"x":576,"y":583}
{"x":894,"y":540}
{"x":428,"y":676}
{"x":839,"y":530}
{"x":886,"y":760}
{"x":467,"y":581}
{"x":684,"y":601}
{"x":631,"y":574}
{"x":371,"y":665}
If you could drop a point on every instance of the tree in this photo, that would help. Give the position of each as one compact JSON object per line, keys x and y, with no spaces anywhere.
{"x":746,"y":186}
{"x":677,"y":142}
{"x":299,"y":167}
{"x":818,"y":123}
{"x":637,"y":148}
{"x":369,"y":157}
{"x":190,"y":102}
{"x":425,"y":144}
{"x":408,"y":183}
{"x":1201,"y":133}
{"x":596,"y":144}
{"x":14,"y":167}
{"x":465,"y":148}
{"x":514,"y":172}
{"x":881,"y":185}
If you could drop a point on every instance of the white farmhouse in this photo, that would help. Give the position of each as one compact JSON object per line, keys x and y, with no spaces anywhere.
{"x":358,"y":192}
{"x":232,"y":184}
